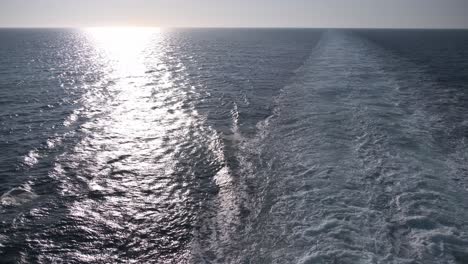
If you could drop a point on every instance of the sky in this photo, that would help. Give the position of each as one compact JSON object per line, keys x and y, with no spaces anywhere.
{"x":236,"y":13}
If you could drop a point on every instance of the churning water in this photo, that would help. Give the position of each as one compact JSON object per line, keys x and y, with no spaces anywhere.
{"x":140,"y":145}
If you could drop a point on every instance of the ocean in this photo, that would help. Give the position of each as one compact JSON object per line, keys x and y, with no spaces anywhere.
{"x":146,"y":145}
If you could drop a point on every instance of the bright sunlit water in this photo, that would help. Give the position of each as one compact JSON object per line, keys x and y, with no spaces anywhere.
{"x":145,"y":145}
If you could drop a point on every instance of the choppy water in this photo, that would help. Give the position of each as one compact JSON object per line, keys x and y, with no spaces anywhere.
{"x":233,"y":146}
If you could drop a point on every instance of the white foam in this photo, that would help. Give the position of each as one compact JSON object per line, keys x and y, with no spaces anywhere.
{"x":32,"y":158}
{"x":71,"y":118}
{"x":18,"y":196}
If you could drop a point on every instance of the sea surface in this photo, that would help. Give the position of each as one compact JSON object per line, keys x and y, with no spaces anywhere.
{"x":248,"y":146}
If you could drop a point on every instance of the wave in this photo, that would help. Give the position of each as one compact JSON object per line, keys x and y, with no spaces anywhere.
{"x":17,"y":196}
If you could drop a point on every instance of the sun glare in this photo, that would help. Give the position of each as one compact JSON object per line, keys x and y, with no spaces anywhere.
{"x":123,"y":45}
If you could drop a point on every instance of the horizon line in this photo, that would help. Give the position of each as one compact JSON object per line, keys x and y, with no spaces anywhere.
{"x":229,"y":27}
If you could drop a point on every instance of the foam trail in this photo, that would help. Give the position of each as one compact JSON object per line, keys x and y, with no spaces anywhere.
{"x":348,"y":168}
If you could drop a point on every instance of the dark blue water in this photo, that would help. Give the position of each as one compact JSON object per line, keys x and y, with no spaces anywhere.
{"x":134,"y":145}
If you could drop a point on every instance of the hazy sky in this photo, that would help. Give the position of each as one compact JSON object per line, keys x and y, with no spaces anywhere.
{"x":235,"y":13}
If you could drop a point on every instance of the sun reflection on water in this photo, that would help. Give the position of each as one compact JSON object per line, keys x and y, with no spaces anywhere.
{"x":141,"y":91}
{"x":146,"y":156}
{"x":123,"y":46}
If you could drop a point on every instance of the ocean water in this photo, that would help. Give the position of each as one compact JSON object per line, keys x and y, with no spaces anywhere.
{"x":139,"y":145}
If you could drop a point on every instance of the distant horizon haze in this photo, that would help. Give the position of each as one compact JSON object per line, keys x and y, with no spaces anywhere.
{"x":417,"y":14}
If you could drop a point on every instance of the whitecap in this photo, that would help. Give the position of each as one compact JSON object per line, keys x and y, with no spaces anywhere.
{"x":18,"y":196}
{"x":32,"y":158}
